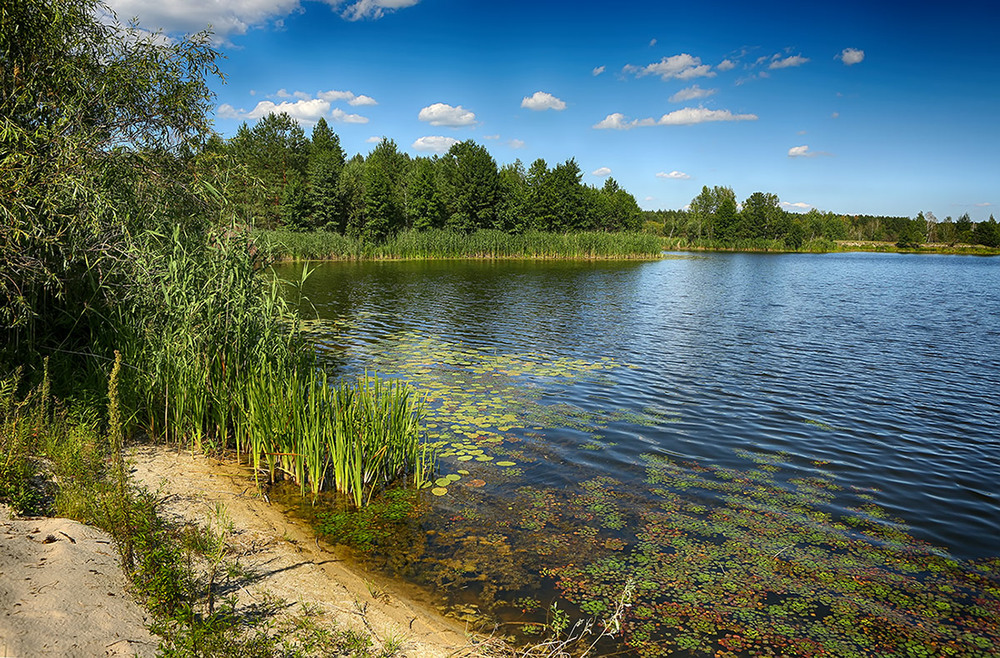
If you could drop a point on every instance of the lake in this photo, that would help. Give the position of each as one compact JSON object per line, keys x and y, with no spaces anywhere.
{"x":786,"y":453}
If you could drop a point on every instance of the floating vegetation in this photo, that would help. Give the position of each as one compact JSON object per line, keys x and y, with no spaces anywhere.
{"x":768,"y":571}
{"x":758,"y":559}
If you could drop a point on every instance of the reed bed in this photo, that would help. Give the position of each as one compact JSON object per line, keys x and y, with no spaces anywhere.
{"x":353,"y":437}
{"x":217,"y":360}
{"x":443,"y":243}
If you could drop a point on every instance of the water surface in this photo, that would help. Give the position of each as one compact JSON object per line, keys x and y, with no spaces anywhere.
{"x":850,"y":397}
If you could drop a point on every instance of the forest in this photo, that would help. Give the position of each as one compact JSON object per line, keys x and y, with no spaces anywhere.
{"x":715,"y":219}
{"x":308,"y":183}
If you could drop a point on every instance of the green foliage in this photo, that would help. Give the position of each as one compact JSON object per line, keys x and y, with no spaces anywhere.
{"x":471,"y":186}
{"x":442,"y":243}
{"x":94,"y":119}
{"x":383,"y":212}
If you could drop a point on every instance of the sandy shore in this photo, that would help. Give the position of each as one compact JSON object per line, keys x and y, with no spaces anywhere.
{"x":62,"y":592}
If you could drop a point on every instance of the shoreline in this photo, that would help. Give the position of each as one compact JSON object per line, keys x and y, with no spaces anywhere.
{"x":286,"y":558}
{"x":64,"y":592}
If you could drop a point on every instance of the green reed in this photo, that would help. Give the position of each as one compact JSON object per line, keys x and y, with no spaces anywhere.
{"x":352,"y":437}
{"x":443,"y":243}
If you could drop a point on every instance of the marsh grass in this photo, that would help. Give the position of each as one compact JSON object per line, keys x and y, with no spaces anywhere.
{"x":442,"y":243}
{"x":354,"y":437}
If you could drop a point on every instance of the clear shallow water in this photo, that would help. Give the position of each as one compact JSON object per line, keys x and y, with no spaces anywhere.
{"x":875,"y":373}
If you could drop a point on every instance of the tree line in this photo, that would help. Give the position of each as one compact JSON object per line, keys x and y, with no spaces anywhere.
{"x":284,"y":178}
{"x":715,"y":217}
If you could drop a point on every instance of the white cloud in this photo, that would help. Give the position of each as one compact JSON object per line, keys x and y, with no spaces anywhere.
{"x":374,"y":139}
{"x":282,"y":93}
{"x":335,"y":95}
{"x":673,"y":175}
{"x":306,"y":112}
{"x":227,"y":17}
{"x":778,"y":62}
{"x":649,"y":198}
{"x":684,"y":117}
{"x":796,"y":207}
{"x":652,"y":42}
{"x":442,"y":114}
{"x":601,"y":172}
{"x":541,"y":100}
{"x":614,"y":121}
{"x":227,"y":111}
{"x":516,"y":144}
{"x":373,"y":9}
{"x":435,"y":143}
{"x":692,"y":115}
{"x":726,"y":65}
{"x":598,"y":70}
{"x":491,"y":136}
{"x":804,"y":152}
{"x":851,"y":56}
{"x":340,"y":115}
{"x":691,"y":93}
{"x":680,"y":67}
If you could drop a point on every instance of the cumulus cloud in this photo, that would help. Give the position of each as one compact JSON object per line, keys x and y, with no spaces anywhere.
{"x":442,"y":114}
{"x":598,"y":70}
{"x":342,"y":116}
{"x":851,"y":56}
{"x":683,"y":117}
{"x":680,"y":67}
{"x":435,"y":143}
{"x":778,"y":62}
{"x":227,"y":111}
{"x":798,"y":206}
{"x":374,"y":139}
{"x":804,"y":152}
{"x":691,"y":93}
{"x":370,"y":9}
{"x":516,"y":144}
{"x":601,"y":172}
{"x":726,"y":65}
{"x":491,"y":136}
{"x":229,"y":18}
{"x":335,"y":96}
{"x":541,"y":101}
{"x":673,"y":175}
{"x":304,"y":111}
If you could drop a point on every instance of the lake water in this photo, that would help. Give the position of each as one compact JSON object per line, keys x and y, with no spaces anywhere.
{"x":763,"y":451}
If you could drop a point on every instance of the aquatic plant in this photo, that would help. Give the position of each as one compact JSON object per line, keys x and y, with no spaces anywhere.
{"x":355,"y":436}
{"x":484,"y":243}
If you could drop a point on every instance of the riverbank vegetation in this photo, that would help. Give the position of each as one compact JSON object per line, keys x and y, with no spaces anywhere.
{"x":308,"y":183}
{"x":445,"y":243}
{"x":715,"y":220}
{"x":122,"y":258}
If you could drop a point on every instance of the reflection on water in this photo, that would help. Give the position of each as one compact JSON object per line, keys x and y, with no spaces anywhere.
{"x":771,"y":449}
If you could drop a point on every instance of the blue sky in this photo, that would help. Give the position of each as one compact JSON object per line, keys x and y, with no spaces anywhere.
{"x":855,"y":107}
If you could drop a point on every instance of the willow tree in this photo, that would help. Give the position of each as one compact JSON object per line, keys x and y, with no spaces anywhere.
{"x":97,"y":124}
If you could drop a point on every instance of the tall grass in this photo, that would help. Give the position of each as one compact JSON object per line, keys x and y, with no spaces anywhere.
{"x":218,"y":361}
{"x":354,"y":437}
{"x":442,"y":243}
